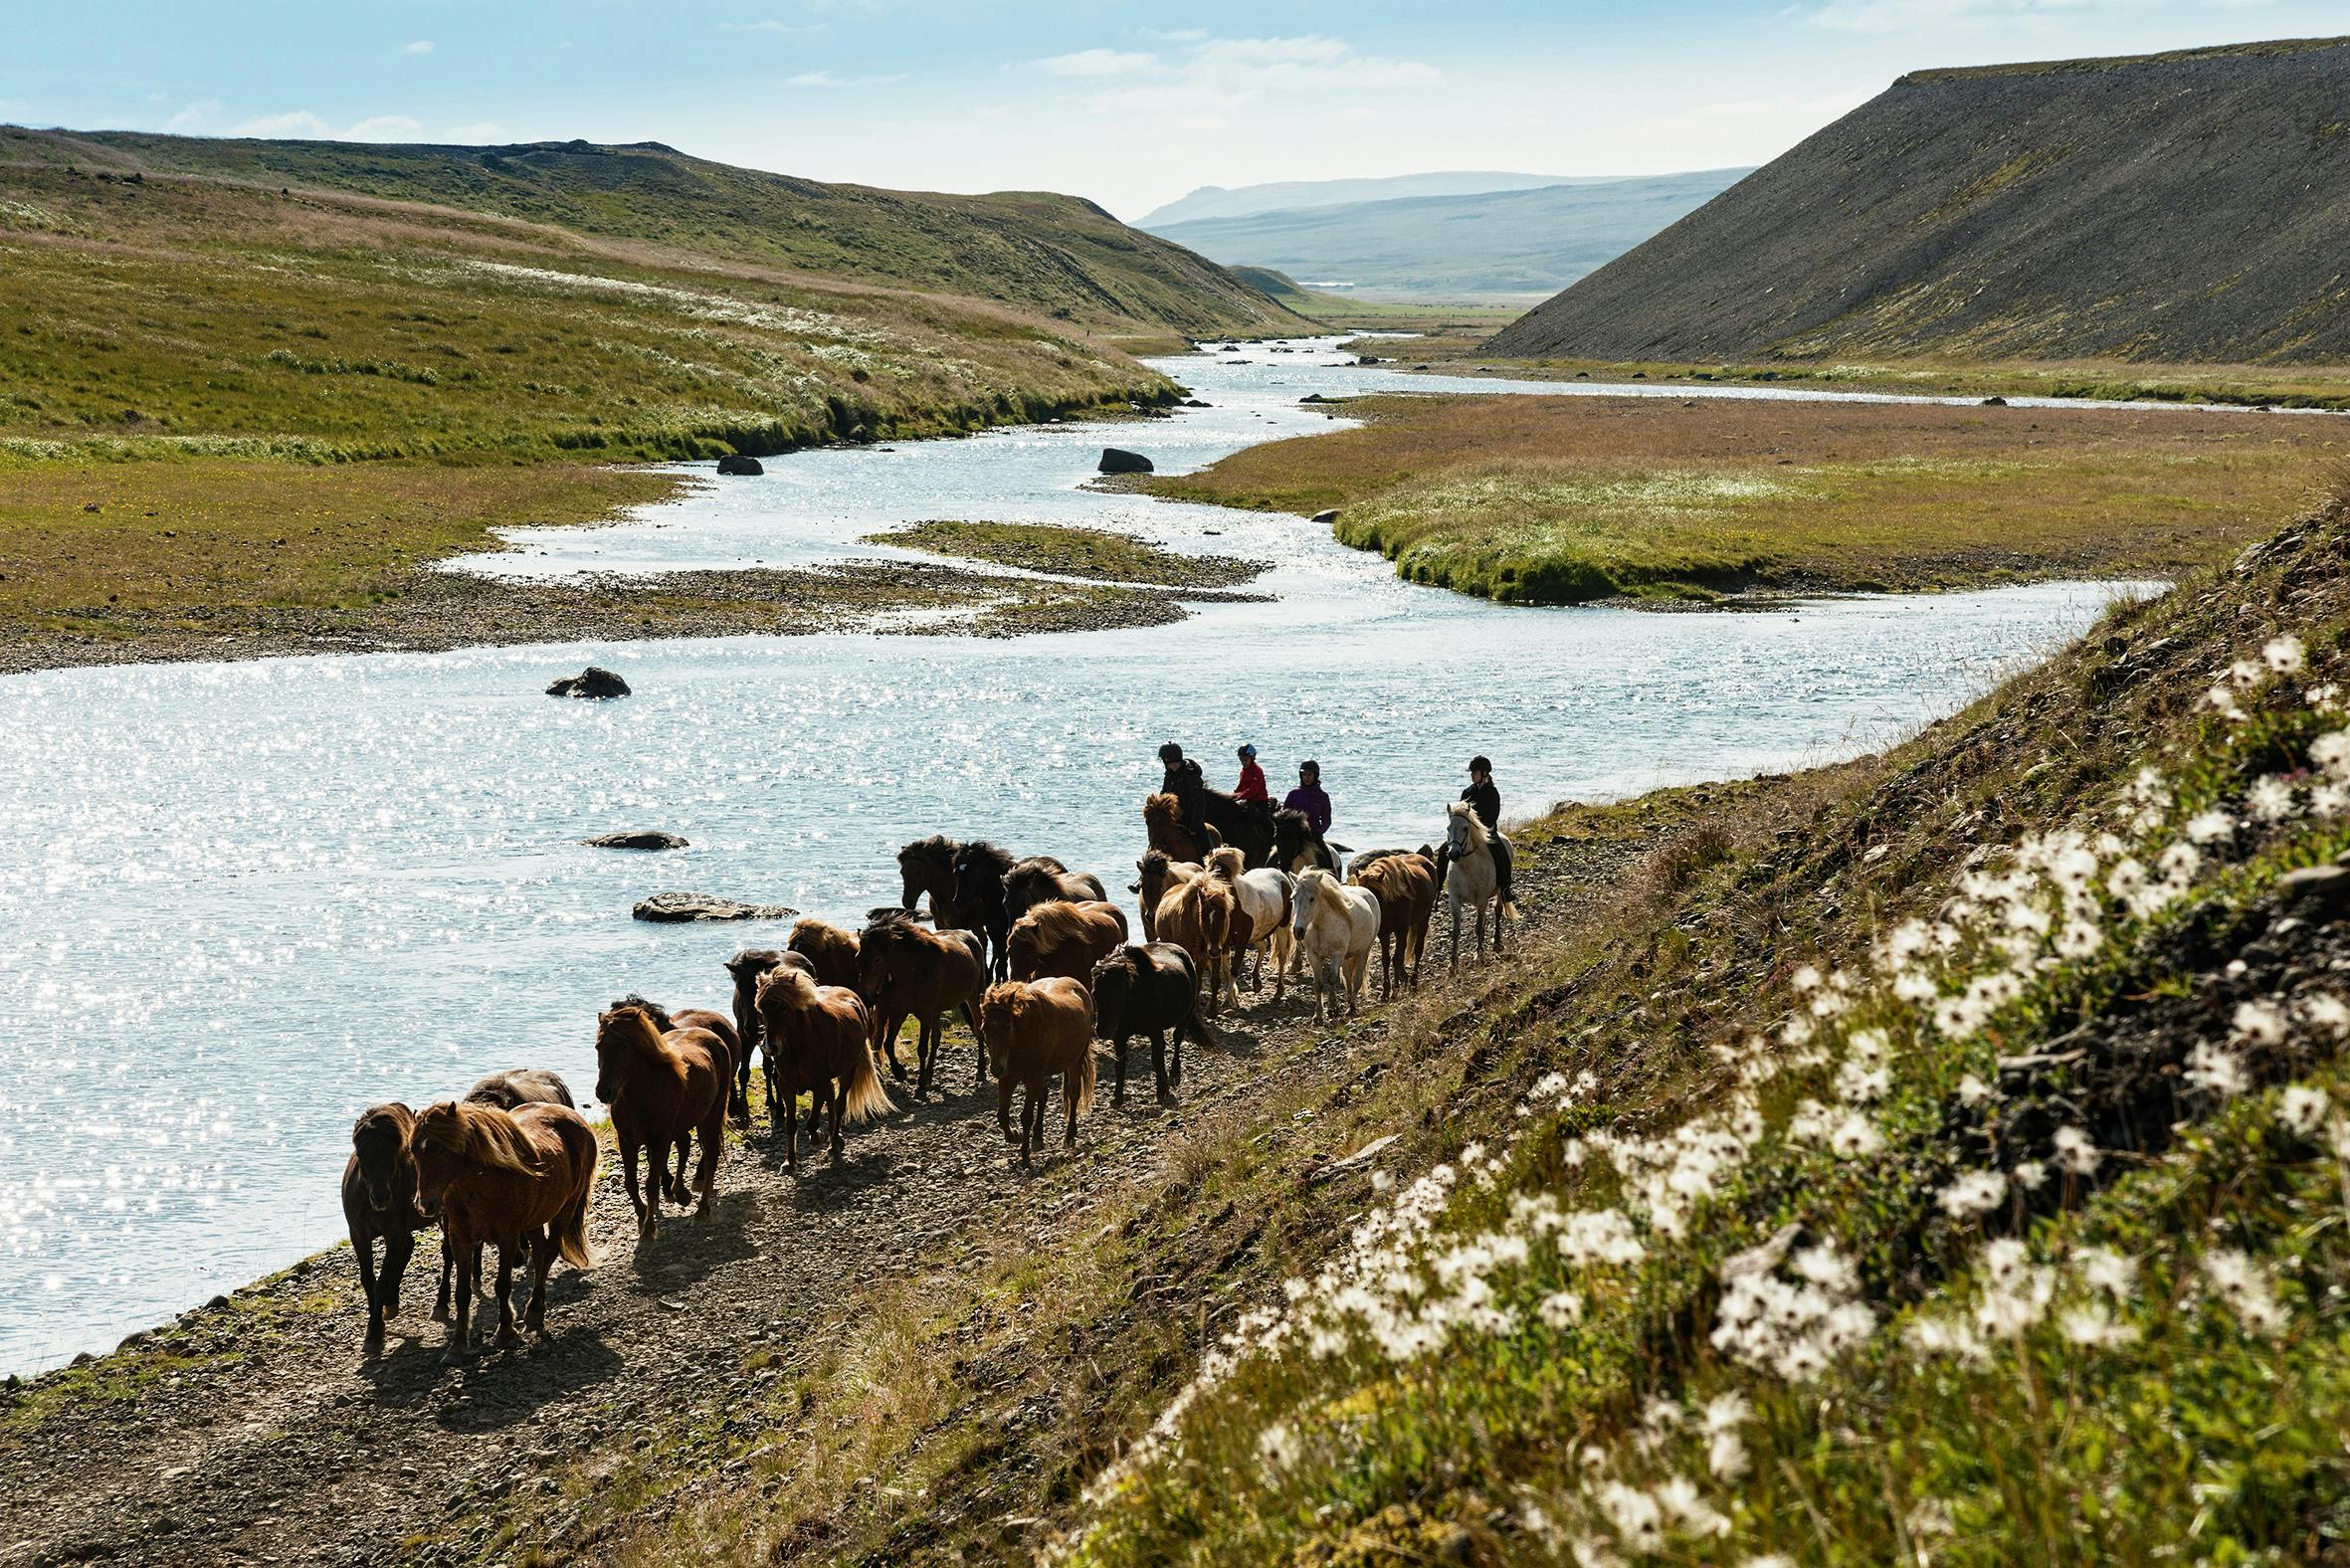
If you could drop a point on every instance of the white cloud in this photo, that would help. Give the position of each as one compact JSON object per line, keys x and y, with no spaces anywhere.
{"x":423,"y":46}
{"x":296,"y":123}
{"x":1098,"y":62}
{"x":385,"y":127}
{"x":193,"y":117}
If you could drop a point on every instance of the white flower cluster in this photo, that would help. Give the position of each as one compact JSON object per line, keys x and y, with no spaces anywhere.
{"x":1791,"y":1326}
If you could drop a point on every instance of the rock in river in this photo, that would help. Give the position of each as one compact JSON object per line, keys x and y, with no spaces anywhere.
{"x":1116,"y":460}
{"x":672,"y":907}
{"x":640,"y":838}
{"x":1329,"y":516}
{"x":594,"y":682}
{"x":738,"y":462}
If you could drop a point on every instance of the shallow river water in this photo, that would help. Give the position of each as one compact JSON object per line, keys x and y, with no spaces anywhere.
{"x":238,"y":902}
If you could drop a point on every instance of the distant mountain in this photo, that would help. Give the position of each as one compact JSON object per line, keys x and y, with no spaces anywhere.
{"x":1513,"y":242}
{"x":1216,"y":201}
{"x":2189,"y":206}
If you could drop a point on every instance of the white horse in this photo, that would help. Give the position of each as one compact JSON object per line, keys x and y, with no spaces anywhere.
{"x":1471,"y":878}
{"x":1264,"y":895}
{"x":1337,"y":927}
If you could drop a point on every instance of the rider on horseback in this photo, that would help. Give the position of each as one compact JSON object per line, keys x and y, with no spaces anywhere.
{"x":1185,"y":782}
{"x":1486,"y":801}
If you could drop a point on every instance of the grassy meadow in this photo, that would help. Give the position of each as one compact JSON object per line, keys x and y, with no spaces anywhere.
{"x":1565,"y":499}
{"x":1071,"y":551}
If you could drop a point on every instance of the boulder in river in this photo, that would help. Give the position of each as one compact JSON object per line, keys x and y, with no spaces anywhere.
{"x":739,"y":463}
{"x":1995,"y":402}
{"x":670,"y":908}
{"x":1326,"y":516}
{"x":1116,"y":460}
{"x":595,"y":682}
{"x":638,"y":839}
{"x":1193,"y":402}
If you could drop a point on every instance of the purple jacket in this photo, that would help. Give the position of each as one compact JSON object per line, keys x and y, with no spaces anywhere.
{"x":1310,"y":799}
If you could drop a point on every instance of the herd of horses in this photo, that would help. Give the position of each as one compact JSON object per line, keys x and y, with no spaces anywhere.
{"x":1035,"y":959}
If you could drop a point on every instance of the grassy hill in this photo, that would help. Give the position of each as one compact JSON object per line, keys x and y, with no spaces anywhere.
{"x":1510,"y":242}
{"x":2185,"y":207}
{"x":1219,"y":201}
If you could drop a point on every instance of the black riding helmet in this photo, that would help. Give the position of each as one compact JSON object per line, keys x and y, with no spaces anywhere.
{"x":1310,"y":766}
{"x":1480,"y":764}
{"x":1170,"y":753}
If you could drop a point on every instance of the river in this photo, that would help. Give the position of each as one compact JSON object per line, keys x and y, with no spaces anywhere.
{"x":239,"y":901}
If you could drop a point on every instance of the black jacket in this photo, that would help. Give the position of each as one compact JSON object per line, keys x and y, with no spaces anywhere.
{"x":1486,"y":801}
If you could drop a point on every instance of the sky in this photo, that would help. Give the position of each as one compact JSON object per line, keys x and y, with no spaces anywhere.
{"x":1129,"y":105}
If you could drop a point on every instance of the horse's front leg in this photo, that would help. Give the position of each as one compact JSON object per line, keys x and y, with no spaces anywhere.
{"x":1069,"y":1102}
{"x":461,"y":1331}
{"x":790,"y":1124}
{"x":363,"y":1250}
{"x":840,"y":1101}
{"x":646,"y":1219}
{"x":885,"y":1037}
{"x":398,"y":1248}
{"x":507,"y":1338}
{"x":448,"y":1277}
{"x":542,"y":1262}
{"x":1031,"y":1123}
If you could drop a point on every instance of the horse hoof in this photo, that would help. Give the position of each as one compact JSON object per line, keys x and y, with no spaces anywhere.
{"x":1167,"y":1100}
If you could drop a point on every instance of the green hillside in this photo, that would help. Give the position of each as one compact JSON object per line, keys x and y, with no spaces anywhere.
{"x":2189,"y":207}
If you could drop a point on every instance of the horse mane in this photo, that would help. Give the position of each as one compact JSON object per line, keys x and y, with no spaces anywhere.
{"x":753,"y":961}
{"x":783,"y":977}
{"x":632,"y":1022}
{"x":1478,"y":836}
{"x":937,"y":847}
{"x":1291,"y":813}
{"x":482,"y":1134}
{"x":1161,"y":806}
{"x":1155,"y":859}
{"x":1324,"y":887}
{"x":661,"y":1021}
{"x":1227,"y":863}
{"x":1000,"y":861}
{"x":1058,"y":920}
{"x":390,"y":1114}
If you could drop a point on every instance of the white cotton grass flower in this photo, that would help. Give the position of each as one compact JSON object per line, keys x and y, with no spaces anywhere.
{"x":2325,"y":1014}
{"x":2258,"y":1021}
{"x":2249,"y":673}
{"x":2210,"y":826}
{"x":1972,"y":1195}
{"x":2300,"y":1109}
{"x":1972,"y":1090}
{"x":2325,"y":697}
{"x":2077,"y":1151}
{"x":2329,"y":800}
{"x":2271,"y":799}
{"x":1560,"y":1310}
{"x":2217,"y":1071}
{"x":2246,"y":1286}
{"x":2093,"y":1326}
{"x":2330,"y":754}
{"x":1855,"y":1137}
{"x":2104,"y":1269}
{"x":2283,"y":654}
{"x":1277,"y":1446}
{"x":2028,"y":1175}
{"x":2221,"y":700}
{"x":2078,"y":939}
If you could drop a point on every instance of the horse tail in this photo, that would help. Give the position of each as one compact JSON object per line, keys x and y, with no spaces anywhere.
{"x":866,"y":1097}
{"x":572,"y":1225}
{"x":1082,"y":1092}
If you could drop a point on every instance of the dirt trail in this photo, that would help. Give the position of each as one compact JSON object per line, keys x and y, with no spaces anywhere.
{"x":259,"y":1433}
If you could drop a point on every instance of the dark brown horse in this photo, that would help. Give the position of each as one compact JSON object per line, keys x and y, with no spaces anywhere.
{"x":517,"y":1179}
{"x":1061,"y":937}
{"x":928,"y":865}
{"x":1038,"y":1030}
{"x":661,"y":1088}
{"x":1297,"y":846}
{"x":1166,"y":832}
{"x":521,"y":1087}
{"x":1041,"y":879}
{"x":718,"y":1023}
{"x":1147,"y":989}
{"x":747,"y":968}
{"x":908,"y":972}
{"x":1244,"y":825}
{"x":379,"y":1200}
{"x":817,"y":1039}
{"x":1406,"y":889}
{"x":830,"y":950}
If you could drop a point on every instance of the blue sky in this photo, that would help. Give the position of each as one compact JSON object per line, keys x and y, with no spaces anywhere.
{"x":1132,"y":105}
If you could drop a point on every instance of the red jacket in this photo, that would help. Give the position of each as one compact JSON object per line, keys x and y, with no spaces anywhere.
{"x":1251,"y":784}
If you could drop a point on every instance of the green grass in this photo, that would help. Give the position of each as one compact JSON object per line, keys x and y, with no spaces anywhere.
{"x":1560,"y":500}
{"x":1071,"y":551}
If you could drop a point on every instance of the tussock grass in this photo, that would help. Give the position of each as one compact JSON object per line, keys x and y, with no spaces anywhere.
{"x":1566,"y":499}
{"x":1071,"y":553}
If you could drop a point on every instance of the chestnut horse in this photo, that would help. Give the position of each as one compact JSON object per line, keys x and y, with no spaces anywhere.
{"x":1166,"y":832}
{"x":1197,"y":915}
{"x":514,"y":1179}
{"x":928,"y":865}
{"x":1406,"y":889}
{"x":1058,"y":937}
{"x":817,"y":1040}
{"x":907,"y":972}
{"x":831,"y":951}
{"x":1037,"y":1029}
{"x":747,"y":968}
{"x":1147,"y":989}
{"x":1156,"y":874}
{"x":379,"y":1200}
{"x":661,"y":1087}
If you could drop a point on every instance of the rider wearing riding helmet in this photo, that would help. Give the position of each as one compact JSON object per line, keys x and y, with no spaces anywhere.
{"x":1308,"y":797}
{"x":1252,"y":788}
{"x":1185,"y":782}
{"x":1486,"y":801}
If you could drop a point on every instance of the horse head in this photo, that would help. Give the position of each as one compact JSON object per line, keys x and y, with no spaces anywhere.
{"x":1114,"y":982}
{"x":437,"y":1146}
{"x":979,"y":877}
{"x":621,"y":1032}
{"x":1464,"y":834}
{"x":380,"y":1140}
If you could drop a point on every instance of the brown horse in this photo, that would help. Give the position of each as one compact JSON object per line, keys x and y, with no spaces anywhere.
{"x":1197,"y":915}
{"x":379,"y":1200}
{"x":747,"y":968}
{"x":1156,"y":874}
{"x":907,"y":972}
{"x":1041,"y":879}
{"x":517,"y":1179}
{"x":1037,"y":1029}
{"x":1170,"y":835}
{"x":1406,"y":889}
{"x":830,"y":950}
{"x":928,"y":865}
{"x":661,"y":1087}
{"x":816,"y":1041}
{"x":521,"y":1087}
{"x":1058,"y":937}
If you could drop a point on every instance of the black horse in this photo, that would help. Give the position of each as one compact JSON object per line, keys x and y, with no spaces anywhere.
{"x":1247,"y":825}
{"x":1297,"y":846}
{"x":1147,"y":988}
{"x":980,"y":870}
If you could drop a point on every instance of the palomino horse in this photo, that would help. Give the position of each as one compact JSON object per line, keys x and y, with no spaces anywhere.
{"x":1147,"y":989}
{"x":1058,"y":937}
{"x":818,"y":1042}
{"x":1197,"y":915}
{"x":379,"y":1199}
{"x":1336,"y":927}
{"x":661,"y":1088}
{"x":1297,"y":846}
{"x":1263,"y":899}
{"x":1156,"y":874}
{"x":905,"y":971}
{"x":1036,"y":1030}
{"x":512,"y":1179}
{"x":1469,"y":878}
{"x":747,"y":969}
{"x":1404,"y":885}
{"x":928,"y":865}
{"x":1166,"y":832}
